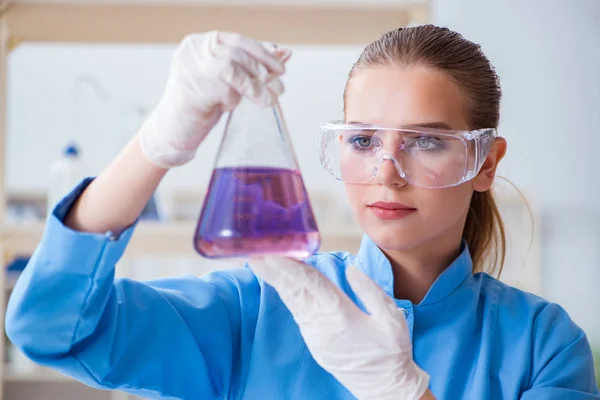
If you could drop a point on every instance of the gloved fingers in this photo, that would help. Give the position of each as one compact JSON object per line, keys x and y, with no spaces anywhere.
{"x":302,"y":288}
{"x":377,"y":302}
{"x":253,"y":47}
{"x":245,"y":70}
{"x":265,"y":87}
{"x":255,"y":68}
{"x":238,"y":79}
{"x":268,"y":94}
{"x":259,"y":92}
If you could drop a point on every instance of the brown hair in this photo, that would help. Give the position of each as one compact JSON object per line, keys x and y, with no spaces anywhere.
{"x":466,"y":64}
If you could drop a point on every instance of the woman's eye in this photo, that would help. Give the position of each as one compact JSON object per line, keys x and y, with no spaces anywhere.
{"x":362,"y":142}
{"x":426,"y":143}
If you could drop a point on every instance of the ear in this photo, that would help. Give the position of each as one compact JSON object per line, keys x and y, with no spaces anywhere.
{"x":483,"y":181}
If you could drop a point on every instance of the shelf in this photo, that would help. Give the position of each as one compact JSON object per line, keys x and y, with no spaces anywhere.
{"x":159,"y":239}
{"x":132,"y":21}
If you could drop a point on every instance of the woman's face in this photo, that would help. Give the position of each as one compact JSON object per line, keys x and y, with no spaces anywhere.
{"x":417,"y":96}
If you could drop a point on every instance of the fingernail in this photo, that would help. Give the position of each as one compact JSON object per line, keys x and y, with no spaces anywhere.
{"x":283,"y":54}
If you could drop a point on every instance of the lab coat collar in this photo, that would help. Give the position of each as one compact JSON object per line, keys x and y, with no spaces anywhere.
{"x":375,"y":264}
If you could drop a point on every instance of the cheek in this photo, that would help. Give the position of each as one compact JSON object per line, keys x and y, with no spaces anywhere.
{"x":355,"y":194}
{"x":443,"y":207}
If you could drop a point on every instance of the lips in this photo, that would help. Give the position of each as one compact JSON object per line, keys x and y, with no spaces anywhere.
{"x":390,"y":206}
{"x":390,"y":210}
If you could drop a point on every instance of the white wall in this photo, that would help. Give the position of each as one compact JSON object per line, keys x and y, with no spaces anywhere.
{"x":547,"y":53}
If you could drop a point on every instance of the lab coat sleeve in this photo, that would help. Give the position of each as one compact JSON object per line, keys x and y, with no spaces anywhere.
{"x":175,"y":338}
{"x":562,"y":364}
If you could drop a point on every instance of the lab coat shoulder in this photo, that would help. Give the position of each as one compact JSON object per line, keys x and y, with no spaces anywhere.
{"x":560,"y":362}
{"x":562,"y":365}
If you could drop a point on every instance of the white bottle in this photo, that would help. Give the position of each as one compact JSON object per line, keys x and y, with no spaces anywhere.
{"x":65,"y":174}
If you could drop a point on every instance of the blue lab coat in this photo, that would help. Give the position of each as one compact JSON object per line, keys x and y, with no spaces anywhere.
{"x":227,"y":335}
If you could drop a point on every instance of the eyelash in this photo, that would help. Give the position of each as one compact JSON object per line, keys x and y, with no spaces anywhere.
{"x":439,"y":144}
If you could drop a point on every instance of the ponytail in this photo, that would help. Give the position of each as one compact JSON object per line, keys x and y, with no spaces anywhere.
{"x":485,"y":234}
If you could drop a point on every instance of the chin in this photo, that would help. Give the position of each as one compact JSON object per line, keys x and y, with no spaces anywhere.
{"x":393,"y":241}
{"x":394,"y":235}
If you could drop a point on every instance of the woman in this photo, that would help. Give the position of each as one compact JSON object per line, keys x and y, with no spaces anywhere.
{"x":412,"y":316}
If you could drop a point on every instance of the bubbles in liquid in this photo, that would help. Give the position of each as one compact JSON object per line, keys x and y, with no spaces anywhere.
{"x":256,"y":210}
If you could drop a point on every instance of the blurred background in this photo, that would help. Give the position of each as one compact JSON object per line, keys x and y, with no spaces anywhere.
{"x":88,"y":72}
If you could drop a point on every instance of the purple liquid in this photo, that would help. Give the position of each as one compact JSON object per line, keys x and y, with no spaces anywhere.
{"x":256,"y":210}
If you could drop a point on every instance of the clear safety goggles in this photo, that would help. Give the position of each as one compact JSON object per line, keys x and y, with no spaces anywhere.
{"x":424,"y":157}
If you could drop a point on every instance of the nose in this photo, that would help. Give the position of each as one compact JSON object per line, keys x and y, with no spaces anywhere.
{"x":388,"y":175}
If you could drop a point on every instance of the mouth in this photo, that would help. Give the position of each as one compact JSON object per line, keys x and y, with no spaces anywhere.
{"x":390,"y":210}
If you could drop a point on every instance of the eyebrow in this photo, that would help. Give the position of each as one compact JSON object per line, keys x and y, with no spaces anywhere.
{"x":435,"y":125}
{"x":438,"y":125}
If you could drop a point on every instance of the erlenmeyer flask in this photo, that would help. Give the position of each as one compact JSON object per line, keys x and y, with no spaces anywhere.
{"x":256,"y":201}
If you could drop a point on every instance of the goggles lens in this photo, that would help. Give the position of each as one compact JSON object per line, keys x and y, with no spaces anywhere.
{"x":425,"y":158}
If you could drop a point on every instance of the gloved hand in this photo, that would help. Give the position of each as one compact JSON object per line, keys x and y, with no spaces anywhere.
{"x":209,"y":73}
{"x":371,"y":355}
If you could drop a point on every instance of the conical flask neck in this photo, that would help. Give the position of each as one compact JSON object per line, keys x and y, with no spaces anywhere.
{"x":256,"y":136}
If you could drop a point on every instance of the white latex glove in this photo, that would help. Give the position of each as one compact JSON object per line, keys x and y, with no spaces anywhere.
{"x":371,"y":355}
{"x":208,"y":75}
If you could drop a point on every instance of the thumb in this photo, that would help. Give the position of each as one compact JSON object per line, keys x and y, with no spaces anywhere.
{"x":377,"y":302}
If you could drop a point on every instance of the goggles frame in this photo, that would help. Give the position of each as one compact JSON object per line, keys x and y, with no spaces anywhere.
{"x":479,"y":141}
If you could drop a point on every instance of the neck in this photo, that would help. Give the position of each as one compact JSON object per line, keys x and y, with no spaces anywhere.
{"x":416,"y":270}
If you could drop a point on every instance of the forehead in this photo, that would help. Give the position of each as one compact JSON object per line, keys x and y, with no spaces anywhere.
{"x":392,"y":95}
